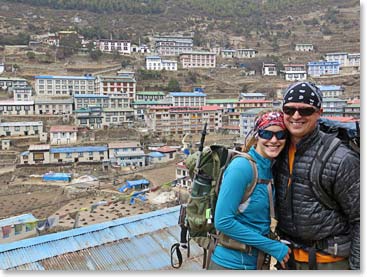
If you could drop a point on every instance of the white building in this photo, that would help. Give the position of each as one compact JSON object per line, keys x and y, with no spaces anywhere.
{"x":8,"y":83}
{"x":246,"y":53}
{"x":126,"y":153}
{"x":156,"y":63}
{"x":172,"y":45}
{"x":269,"y":69}
{"x":53,"y":106}
{"x":228,"y":53}
{"x":78,"y":154}
{"x":354,"y":59}
{"x":22,"y":93}
{"x":47,"y":85}
{"x":17,"y":228}
{"x":114,"y":45}
{"x":294,"y":72}
{"x":11,"y":107}
{"x":304,"y":47}
{"x":341,"y":57}
{"x":182,"y":175}
{"x":331,"y":91}
{"x":118,"y":117}
{"x":198,"y":59}
{"x":141,"y":49}
{"x":63,"y":134}
{"x":36,"y":154}
{"x":187,"y":98}
{"x":21,"y":128}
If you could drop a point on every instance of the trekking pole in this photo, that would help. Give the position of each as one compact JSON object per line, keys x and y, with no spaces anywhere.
{"x":201,"y":147}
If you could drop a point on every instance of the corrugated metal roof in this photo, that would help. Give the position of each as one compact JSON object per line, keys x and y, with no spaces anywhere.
{"x":12,"y":102}
{"x":63,"y":128}
{"x":17,"y":219}
{"x":37,"y":147}
{"x":140,"y":242}
{"x":64,"y":77}
{"x":159,"y":93}
{"x":155,"y":154}
{"x":191,"y":94}
{"x":123,"y":144}
{"x":91,"y":96}
{"x":21,"y":123}
{"x":78,"y":149}
{"x":329,"y":87}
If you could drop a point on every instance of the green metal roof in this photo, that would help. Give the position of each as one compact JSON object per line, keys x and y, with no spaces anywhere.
{"x":219,"y":101}
{"x":151,"y":102}
{"x":354,"y":105}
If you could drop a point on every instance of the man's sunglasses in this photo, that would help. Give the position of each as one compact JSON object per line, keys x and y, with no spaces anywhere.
{"x":268,"y":135}
{"x":302,"y":111}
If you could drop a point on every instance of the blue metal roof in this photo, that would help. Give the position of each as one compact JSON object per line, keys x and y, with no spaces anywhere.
{"x":153,"y":57}
{"x":91,"y":96}
{"x":156,"y":155}
{"x":64,"y":77}
{"x":187,"y":94}
{"x":318,"y":63}
{"x":139,"y":242}
{"x":329,"y":87}
{"x":78,"y":149}
{"x":17,"y":219}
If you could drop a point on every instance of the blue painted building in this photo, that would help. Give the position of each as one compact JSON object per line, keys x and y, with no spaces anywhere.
{"x":331,"y":90}
{"x":320,"y":68}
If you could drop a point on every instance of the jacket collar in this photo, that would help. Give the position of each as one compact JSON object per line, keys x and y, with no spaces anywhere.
{"x":308,"y":140}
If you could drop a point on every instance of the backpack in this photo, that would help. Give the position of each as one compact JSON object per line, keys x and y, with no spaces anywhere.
{"x":333,"y":134}
{"x":197,"y":216}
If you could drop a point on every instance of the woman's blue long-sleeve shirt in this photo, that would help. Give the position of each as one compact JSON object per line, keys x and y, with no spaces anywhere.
{"x":251,"y":225}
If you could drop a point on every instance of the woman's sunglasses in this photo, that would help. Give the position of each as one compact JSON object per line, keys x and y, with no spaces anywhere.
{"x":302,"y":111}
{"x":268,"y":135}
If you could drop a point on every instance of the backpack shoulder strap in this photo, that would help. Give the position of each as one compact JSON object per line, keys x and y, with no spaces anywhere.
{"x":253,"y":183}
{"x":329,"y":144}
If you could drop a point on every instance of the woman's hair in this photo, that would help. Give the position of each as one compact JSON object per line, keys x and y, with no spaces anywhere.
{"x":251,"y":137}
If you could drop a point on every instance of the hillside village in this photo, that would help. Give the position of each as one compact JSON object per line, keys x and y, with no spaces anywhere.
{"x":96,"y":130}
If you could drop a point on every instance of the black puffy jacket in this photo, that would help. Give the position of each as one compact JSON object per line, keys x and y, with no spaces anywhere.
{"x":301,"y":215}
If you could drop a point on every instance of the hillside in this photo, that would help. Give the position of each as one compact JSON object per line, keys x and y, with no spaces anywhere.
{"x":270,"y":27}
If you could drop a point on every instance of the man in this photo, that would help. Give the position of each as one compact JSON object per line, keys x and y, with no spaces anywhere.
{"x":321,"y":237}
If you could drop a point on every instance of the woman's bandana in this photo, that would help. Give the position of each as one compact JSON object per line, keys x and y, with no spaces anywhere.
{"x":269,"y":119}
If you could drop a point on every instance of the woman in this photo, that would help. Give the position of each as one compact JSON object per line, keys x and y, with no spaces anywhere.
{"x":252,"y":225}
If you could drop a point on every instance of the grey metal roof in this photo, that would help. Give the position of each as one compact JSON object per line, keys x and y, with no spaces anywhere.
{"x":140,"y":242}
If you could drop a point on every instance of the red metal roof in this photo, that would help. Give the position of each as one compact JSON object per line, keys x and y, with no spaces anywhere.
{"x":341,"y":118}
{"x":166,"y":149}
{"x":63,"y":128}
